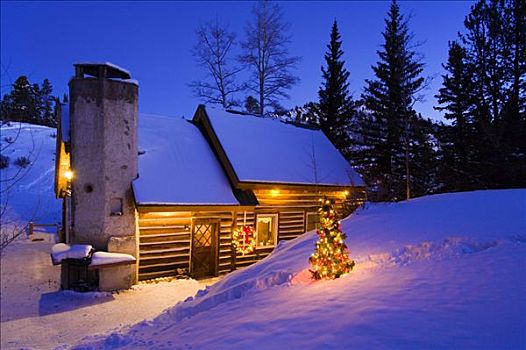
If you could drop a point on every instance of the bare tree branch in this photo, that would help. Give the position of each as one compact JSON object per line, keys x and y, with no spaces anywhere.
{"x":266,"y":54}
{"x":211,"y":52}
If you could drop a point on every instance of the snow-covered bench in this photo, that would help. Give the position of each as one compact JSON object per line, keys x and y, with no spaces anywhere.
{"x":100,"y":260}
{"x":85,"y":252}
{"x":111,"y":270}
{"x":79,"y":252}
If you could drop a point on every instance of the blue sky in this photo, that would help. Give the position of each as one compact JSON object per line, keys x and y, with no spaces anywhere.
{"x":154,"y":39}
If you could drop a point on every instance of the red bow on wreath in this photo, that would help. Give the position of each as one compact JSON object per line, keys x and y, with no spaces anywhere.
{"x":243,"y":239}
{"x":247,"y":230}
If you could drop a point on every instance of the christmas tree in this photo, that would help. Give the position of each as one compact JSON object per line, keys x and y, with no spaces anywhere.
{"x":331,"y":258}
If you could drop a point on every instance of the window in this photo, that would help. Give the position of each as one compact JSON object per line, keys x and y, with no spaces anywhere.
{"x":312,"y":222}
{"x":116,"y":207}
{"x":266,"y":230}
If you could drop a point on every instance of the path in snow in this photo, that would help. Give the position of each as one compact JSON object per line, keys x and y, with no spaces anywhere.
{"x":34,"y":314}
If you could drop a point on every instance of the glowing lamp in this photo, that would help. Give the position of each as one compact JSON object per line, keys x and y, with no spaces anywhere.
{"x":68,"y":175}
{"x":274,"y":193}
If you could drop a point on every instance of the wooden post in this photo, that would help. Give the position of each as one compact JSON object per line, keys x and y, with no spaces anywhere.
{"x":233,"y":252}
{"x":30,"y":229}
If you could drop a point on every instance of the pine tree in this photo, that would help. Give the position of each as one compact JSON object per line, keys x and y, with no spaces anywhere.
{"x":47,"y":104}
{"x":335,"y":108}
{"x":304,"y":115}
{"x":456,"y":99}
{"x":22,"y":103}
{"x":29,"y":103}
{"x":389,"y":100}
{"x":485,"y":94}
{"x":251,"y":105}
{"x":331,"y":257}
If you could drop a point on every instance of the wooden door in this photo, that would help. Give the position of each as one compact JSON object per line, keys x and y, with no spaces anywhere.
{"x":204,"y":249}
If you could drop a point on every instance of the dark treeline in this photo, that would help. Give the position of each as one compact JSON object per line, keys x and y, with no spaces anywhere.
{"x":401,"y":154}
{"x":30,"y":103}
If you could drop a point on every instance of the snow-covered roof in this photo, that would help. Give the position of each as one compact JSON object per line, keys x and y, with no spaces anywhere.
{"x":178,"y":166}
{"x":270,"y":151}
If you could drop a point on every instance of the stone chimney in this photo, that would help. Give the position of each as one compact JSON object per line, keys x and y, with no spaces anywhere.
{"x":103,"y":124}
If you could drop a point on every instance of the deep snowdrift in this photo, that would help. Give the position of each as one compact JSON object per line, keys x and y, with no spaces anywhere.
{"x":444,"y":271}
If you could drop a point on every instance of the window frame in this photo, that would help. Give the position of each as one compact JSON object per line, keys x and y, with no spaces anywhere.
{"x":307,"y":214}
{"x":275,"y":218}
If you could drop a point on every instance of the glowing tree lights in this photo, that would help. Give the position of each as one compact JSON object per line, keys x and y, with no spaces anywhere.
{"x":331,"y":258}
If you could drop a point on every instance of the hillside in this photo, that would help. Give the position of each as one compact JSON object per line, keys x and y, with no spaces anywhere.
{"x":444,"y":271}
{"x":27,"y":193}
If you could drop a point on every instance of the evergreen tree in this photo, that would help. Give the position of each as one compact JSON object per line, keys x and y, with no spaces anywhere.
{"x":251,"y":105}
{"x":456,"y":100}
{"x":47,"y":104}
{"x":485,"y":95}
{"x":389,"y":100}
{"x":335,"y":108}
{"x":423,"y":157}
{"x":304,"y":115}
{"x":22,"y":103}
{"x":331,"y":257}
{"x":29,"y":103}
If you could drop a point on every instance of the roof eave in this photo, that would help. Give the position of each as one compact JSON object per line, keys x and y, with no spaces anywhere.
{"x":254,"y":185}
{"x":168,"y":207}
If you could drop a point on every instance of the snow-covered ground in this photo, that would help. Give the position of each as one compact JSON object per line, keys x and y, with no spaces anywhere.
{"x":36,"y":315}
{"x":32,"y":197}
{"x":445,"y":271}
{"x":33,"y":312}
{"x":27,"y":193}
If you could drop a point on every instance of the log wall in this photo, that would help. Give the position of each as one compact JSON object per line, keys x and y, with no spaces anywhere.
{"x":165,"y":237}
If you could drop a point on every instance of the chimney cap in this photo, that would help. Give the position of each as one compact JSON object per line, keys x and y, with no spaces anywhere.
{"x":101,"y":70}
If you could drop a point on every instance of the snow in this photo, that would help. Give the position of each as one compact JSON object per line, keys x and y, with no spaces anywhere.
{"x":35,"y":314}
{"x":61,"y":251}
{"x":103,"y":258}
{"x":27,"y":194}
{"x":268,"y":150}
{"x":178,"y":166}
{"x":441,"y":272}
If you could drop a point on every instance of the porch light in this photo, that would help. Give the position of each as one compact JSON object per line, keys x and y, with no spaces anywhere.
{"x":68,"y":175}
{"x":274,"y":192}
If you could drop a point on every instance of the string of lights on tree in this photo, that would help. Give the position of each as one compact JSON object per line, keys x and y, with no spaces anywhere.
{"x":331,"y":259}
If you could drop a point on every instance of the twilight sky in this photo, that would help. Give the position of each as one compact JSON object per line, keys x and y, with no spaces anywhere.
{"x":154,"y":39}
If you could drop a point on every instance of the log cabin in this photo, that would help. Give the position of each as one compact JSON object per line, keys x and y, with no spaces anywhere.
{"x":172,"y":191}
